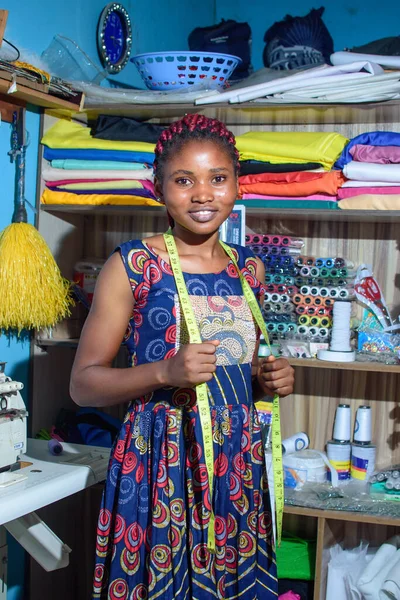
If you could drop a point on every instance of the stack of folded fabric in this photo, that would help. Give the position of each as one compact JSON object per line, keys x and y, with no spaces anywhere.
{"x":98,"y":167}
{"x":371,"y":163}
{"x":289,"y":169}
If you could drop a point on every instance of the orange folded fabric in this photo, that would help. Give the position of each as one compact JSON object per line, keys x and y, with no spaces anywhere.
{"x":298,"y":183}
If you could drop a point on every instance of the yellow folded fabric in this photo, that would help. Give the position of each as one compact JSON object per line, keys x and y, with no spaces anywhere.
{"x":105,"y":185}
{"x":291,"y":146}
{"x":52,"y":197}
{"x":371,"y":202}
{"x":68,"y":134}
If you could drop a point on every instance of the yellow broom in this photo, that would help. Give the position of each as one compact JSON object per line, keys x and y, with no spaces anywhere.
{"x":33,"y":294}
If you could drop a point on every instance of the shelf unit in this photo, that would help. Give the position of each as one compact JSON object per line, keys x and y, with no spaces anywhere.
{"x":74,"y":232}
{"x":311,"y":363}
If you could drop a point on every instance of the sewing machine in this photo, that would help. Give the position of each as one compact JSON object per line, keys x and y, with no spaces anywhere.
{"x":31,"y":478}
{"x":13,"y":416}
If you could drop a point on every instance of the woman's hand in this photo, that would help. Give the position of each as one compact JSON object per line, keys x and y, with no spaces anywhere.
{"x":275,"y":376}
{"x":193,"y":364}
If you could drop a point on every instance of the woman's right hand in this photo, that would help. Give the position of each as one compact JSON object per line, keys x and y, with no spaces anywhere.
{"x":193,"y":364}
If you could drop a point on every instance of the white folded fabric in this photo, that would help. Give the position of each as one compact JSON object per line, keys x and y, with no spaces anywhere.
{"x":372,"y":172}
{"x":343,"y":58}
{"x":375,"y":573}
{"x":354,"y":183}
{"x":362,"y":70}
{"x":390,"y":589}
{"x":52,"y":174}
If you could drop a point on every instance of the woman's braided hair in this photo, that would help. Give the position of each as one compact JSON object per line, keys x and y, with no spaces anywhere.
{"x":193,"y":127}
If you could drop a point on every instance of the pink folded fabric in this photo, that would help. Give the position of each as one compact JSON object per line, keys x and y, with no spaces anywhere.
{"x":375,"y":154}
{"x":356,"y":191}
{"x":326,"y":197}
{"x":289,"y":596}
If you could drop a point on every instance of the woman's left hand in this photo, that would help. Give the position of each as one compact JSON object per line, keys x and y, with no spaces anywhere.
{"x":275,"y":376}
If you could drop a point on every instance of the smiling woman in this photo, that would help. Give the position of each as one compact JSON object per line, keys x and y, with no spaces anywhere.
{"x":186,"y":510}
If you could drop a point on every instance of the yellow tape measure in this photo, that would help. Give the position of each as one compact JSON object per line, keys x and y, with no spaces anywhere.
{"x":276,"y":417}
{"x":201,"y":390}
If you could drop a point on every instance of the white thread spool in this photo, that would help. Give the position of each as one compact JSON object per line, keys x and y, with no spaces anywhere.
{"x":363,"y":425}
{"x":296,"y":442}
{"x":342,"y":424}
{"x":362,"y":461}
{"x":340,"y":349}
{"x":339,"y":457}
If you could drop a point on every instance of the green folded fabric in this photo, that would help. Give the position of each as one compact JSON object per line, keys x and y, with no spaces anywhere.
{"x":295,"y":558}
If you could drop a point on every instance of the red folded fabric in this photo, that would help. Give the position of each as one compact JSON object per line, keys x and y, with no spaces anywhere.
{"x":292,"y":184}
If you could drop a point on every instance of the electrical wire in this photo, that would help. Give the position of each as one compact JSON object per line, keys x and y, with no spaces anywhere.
{"x":14,"y":47}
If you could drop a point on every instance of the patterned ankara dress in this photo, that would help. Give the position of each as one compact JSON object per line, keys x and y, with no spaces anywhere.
{"x":151,"y":538}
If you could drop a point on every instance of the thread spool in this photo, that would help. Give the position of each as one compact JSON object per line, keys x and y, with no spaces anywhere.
{"x":292,"y":327}
{"x":301,"y":309}
{"x":55,"y":447}
{"x":329,"y":262}
{"x":323,"y":332}
{"x":256,"y":239}
{"x":305,"y":290}
{"x":271,"y":327}
{"x":319,"y":262}
{"x":313,"y":332}
{"x":257,"y":249}
{"x":339,"y":455}
{"x":305,"y":271}
{"x":281,"y":328}
{"x":266,"y":239}
{"x":315,"y":291}
{"x":304,"y":320}
{"x":292,"y":290}
{"x":302,"y":330}
{"x":363,"y":425}
{"x":342,"y":424}
{"x":315,"y":321}
{"x":276,"y":240}
{"x":333,"y":292}
{"x":311,"y":310}
{"x":362,"y":461}
{"x":295,"y":443}
{"x":314,"y":272}
{"x":324,"y":272}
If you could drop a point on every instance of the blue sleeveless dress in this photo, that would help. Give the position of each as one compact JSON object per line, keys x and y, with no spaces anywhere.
{"x":151,"y":536}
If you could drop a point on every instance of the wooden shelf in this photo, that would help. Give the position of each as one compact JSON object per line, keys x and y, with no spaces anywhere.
{"x":260,"y":112}
{"x":295,"y":362}
{"x":375,"y":367}
{"x":340,"y":515}
{"x":29,"y":92}
{"x":362,"y":216}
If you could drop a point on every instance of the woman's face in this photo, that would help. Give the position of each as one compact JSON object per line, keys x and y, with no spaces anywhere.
{"x":199,"y":186}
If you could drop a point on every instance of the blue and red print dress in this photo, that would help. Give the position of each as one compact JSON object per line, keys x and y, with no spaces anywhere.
{"x":151,"y":538}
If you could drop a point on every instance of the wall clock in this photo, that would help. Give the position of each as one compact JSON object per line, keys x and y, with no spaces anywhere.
{"x":114,"y":37}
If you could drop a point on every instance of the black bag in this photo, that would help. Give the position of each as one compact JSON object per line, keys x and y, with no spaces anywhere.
{"x":229,"y":37}
{"x":298,"y":42}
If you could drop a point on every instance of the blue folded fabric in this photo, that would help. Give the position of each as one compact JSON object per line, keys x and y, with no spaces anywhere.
{"x":371,"y":138}
{"x":93,"y":154}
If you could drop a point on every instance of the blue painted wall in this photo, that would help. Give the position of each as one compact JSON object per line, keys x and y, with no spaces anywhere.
{"x":350,"y":23}
{"x":160,"y":25}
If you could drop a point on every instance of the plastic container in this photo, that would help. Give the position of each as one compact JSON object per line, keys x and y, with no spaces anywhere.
{"x":177,"y":70}
{"x":303,"y":466}
{"x":86,"y":273}
{"x":64,"y":58}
